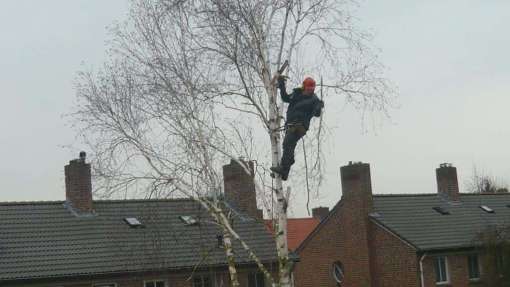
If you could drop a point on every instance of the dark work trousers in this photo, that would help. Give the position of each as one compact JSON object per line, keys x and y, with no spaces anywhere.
{"x":293,"y":133}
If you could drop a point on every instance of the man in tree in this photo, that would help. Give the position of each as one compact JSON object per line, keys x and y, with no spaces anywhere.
{"x":303,"y":105}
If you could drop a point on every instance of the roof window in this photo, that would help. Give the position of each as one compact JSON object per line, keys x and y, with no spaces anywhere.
{"x":133,"y":222}
{"x":487,"y":209}
{"x":441,"y":210}
{"x":188,"y":220}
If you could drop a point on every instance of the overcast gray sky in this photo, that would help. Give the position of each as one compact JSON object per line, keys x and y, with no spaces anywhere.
{"x":449,"y":59}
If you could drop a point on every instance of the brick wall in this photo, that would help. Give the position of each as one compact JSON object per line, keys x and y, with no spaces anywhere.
{"x":393,"y":262}
{"x":371,"y":255}
{"x":343,"y":237}
{"x":457,"y":270}
{"x":173,"y":279}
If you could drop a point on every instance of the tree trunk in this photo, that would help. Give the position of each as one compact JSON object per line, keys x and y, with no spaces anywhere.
{"x":227,"y":244}
{"x":280,"y":228}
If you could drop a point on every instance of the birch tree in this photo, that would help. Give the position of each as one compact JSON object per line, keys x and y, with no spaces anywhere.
{"x":189,"y":84}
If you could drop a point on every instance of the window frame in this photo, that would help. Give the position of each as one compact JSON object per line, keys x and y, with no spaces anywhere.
{"x":338,"y":264}
{"x":446,"y":271}
{"x":478,"y":269}
{"x":154,"y":281}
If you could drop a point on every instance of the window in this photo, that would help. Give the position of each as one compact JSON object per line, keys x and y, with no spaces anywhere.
{"x":474,"y":268}
{"x":256,"y":280}
{"x":441,"y":268}
{"x":154,"y":283}
{"x":105,"y":285}
{"x":202,"y":281}
{"x":188,"y":220}
{"x":487,"y":209}
{"x":441,"y":210}
{"x":133,"y":221}
{"x":338,"y":272}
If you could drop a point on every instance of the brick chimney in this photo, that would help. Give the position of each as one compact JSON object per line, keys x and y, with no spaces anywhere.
{"x":240,"y":188}
{"x":320,"y":212}
{"x":357,"y":185}
{"x":79,"y":185}
{"x":356,"y":205}
{"x":447,"y":183}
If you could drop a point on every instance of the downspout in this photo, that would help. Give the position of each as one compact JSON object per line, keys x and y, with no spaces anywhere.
{"x":421,"y":269}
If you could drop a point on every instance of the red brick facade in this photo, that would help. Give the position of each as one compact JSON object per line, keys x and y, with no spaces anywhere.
{"x":371,"y":255}
{"x":393,"y":262}
{"x":343,"y":237}
{"x":172,"y":279}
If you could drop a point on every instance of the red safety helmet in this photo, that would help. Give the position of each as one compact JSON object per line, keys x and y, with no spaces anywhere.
{"x":309,"y":82}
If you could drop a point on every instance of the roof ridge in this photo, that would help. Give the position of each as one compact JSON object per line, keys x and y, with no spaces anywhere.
{"x":32,"y":202}
{"x":131,"y":200}
{"x":402,"y":194}
{"x":142,"y":200}
{"x":485,"y":193}
{"x":435,"y":194}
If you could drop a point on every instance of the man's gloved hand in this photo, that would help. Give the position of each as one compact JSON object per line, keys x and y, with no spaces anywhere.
{"x":318,"y":108}
{"x":281,"y":82}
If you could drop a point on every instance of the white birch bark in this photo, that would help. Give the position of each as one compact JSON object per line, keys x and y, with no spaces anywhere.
{"x":280,"y":228}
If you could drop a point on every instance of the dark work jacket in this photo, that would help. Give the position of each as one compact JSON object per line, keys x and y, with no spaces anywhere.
{"x":301,"y":108}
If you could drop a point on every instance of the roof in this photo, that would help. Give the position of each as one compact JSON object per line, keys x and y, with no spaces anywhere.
{"x":44,"y":239}
{"x":297,"y":230}
{"x":413,"y":219}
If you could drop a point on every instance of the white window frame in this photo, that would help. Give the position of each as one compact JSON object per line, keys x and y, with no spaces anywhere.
{"x":154,"y":281}
{"x":447,"y":271}
{"x":341,"y":268}
{"x":479,"y":267}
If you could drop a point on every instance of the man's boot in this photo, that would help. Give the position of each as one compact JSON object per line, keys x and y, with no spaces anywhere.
{"x":282,"y":171}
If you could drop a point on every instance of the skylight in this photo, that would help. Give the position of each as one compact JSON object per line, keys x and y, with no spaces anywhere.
{"x":133,"y":221}
{"x":188,"y":220}
{"x":487,"y":209}
{"x":441,"y":210}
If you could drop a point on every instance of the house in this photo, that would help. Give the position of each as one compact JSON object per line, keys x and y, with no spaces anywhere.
{"x":116,"y":243}
{"x":396,"y":240}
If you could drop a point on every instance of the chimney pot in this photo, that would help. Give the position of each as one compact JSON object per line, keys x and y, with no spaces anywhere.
{"x":83,"y":156}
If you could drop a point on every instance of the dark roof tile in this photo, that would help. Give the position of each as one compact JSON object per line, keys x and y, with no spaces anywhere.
{"x":413,"y":218}
{"x":44,"y":239}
